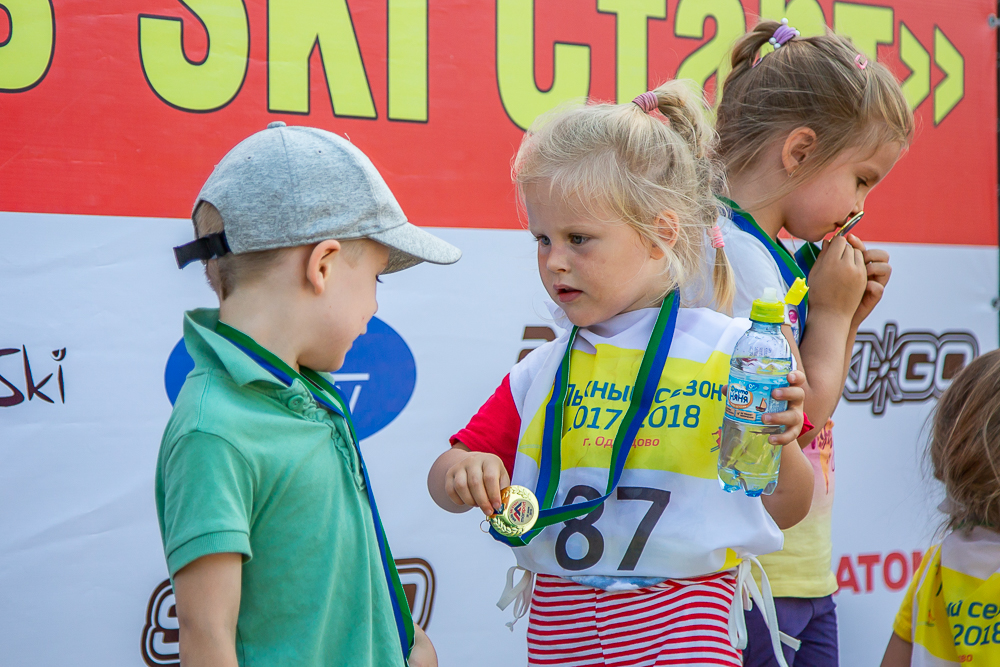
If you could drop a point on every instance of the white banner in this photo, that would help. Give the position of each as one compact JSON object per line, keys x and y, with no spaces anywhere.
{"x":89,"y":359}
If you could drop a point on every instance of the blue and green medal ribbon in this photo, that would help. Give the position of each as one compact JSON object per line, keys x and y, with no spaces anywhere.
{"x":806,"y":256}
{"x":790,"y":267}
{"x":329,"y":397}
{"x":550,"y":467}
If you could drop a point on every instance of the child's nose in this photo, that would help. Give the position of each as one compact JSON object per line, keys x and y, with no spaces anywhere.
{"x":556,"y":260}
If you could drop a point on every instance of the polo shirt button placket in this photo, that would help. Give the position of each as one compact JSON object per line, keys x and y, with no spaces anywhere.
{"x":350,"y":455}
{"x":296,"y":403}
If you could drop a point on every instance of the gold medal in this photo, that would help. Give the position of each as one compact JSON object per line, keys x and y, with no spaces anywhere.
{"x":518,"y":514}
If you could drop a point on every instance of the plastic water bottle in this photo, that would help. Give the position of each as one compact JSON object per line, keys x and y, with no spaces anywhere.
{"x":760,"y":363}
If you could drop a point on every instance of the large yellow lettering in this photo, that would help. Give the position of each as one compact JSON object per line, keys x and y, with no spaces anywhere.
{"x":408,"y":60}
{"x":710,"y":58}
{"x":521,"y":98}
{"x":917,"y":86}
{"x":197,"y":86}
{"x":631,"y":42}
{"x":951,"y":89}
{"x":27,"y":52}
{"x":866,"y":25}
{"x":294,"y":29}
{"x":806,"y":16}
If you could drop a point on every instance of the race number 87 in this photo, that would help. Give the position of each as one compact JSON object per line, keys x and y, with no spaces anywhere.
{"x":659,"y":500}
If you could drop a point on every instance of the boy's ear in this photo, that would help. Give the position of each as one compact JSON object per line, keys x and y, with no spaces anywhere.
{"x":668,"y":226}
{"x":320,"y":264}
{"x":799,"y":145}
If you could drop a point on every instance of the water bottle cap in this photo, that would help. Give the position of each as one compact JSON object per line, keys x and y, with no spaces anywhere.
{"x":796,"y":292}
{"x":768,"y":308}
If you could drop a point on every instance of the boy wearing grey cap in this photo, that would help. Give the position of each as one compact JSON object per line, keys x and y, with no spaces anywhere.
{"x":271,"y":533}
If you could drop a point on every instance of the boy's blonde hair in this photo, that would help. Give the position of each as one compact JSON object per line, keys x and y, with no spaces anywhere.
{"x":965,"y":444}
{"x":617,"y":160}
{"x":225,"y":273}
{"x":815,"y":82}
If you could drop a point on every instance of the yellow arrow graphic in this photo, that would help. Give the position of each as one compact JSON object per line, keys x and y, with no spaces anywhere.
{"x":917,"y":86}
{"x":950,"y":90}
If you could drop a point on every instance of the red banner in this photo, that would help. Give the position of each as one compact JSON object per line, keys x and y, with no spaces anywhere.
{"x":125,"y":112}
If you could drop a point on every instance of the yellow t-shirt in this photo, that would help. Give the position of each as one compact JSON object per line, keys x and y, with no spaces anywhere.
{"x":951,"y":612}
{"x":802,"y":568}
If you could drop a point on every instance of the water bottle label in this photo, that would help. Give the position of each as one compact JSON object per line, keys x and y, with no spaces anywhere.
{"x":749,"y":399}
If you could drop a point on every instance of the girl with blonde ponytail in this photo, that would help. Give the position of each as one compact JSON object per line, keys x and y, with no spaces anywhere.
{"x":633,"y":553}
{"x":807,"y":127}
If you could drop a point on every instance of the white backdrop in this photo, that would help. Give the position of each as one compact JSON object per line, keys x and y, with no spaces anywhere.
{"x":99,"y":299}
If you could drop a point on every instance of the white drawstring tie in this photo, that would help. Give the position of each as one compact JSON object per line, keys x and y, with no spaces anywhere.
{"x":746,"y":594}
{"x":520,"y":594}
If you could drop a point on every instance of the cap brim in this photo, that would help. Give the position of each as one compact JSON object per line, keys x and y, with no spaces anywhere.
{"x":409,"y":245}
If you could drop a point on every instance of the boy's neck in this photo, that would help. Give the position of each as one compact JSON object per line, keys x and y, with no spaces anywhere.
{"x":271,"y":324}
{"x":747,"y":191}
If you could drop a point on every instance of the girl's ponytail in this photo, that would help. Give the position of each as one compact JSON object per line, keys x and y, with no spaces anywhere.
{"x":723,"y":280}
{"x":747,"y":48}
{"x":686,"y":113}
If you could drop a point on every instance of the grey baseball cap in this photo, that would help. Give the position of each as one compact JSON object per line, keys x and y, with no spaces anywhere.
{"x":291,"y":186}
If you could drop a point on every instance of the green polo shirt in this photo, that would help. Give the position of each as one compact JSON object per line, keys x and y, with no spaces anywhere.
{"x":250,"y":466}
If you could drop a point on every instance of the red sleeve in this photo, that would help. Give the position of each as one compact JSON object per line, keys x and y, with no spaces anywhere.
{"x":806,"y":424}
{"x":495,"y":428}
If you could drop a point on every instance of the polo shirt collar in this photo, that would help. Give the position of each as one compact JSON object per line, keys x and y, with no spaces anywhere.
{"x":209,"y":349}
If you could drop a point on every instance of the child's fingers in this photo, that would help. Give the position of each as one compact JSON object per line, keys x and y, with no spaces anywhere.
{"x":855,"y":242}
{"x":504,"y":477}
{"x":785,"y":418}
{"x":457,"y":487}
{"x":478,"y":490}
{"x":839,"y":246}
{"x":793,"y":395}
{"x":876,"y":255}
{"x":452,"y":495}
{"x":791,"y":419}
{"x":875,"y":289}
{"x":859,"y":257}
{"x":796,"y":378}
{"x":879,"y":272}
{"x":491,"y":480}
{"x":787,"y":437}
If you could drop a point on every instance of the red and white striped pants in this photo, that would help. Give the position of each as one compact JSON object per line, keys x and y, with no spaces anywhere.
{"x":672,"y":623}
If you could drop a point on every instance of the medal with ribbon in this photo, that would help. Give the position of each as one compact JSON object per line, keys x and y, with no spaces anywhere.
{"x":329,"y":397}
{"x":790,"y":267}
{"x":550,"y":466}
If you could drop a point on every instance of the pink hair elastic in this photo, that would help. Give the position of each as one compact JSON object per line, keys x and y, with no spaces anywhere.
{"x":648,"y":101}
{"x":858,"y":61}
{"x":717,"y":241}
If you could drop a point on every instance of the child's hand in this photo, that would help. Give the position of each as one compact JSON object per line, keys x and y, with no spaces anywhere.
{"x":878,"y":270}
{"x":476,"y":481}
{"x":791,"y":418}
{"x":422,"y":654}
{"x":837,"y":279}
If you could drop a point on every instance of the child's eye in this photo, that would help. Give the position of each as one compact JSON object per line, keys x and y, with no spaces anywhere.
{"x":542,"y":240}
{"x":577,"y":239}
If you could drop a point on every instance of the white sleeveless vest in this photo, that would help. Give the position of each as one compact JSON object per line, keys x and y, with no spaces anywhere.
{"x":669,"y":517}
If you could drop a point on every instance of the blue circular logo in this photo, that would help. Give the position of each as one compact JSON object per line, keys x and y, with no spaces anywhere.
{"x":377,"y":378}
